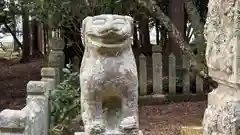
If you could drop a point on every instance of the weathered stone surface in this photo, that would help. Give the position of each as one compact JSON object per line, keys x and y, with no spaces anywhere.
{"x":57,"y":57}
{"x":222,"y":34}
{"x":50,"y":75}
{"x":222,"y":120}
{"x":108,"y":76}
{"x":56,"y":44}
{"x":222,"y":56}
{"x":14,"y":119}
{"x":36,"y":87}
{"x":37,"y":108}
{"x":48,"y":72}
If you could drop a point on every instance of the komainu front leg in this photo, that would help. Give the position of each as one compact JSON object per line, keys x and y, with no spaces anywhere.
{"x":92,"y":116}
{"x":129,"y":124}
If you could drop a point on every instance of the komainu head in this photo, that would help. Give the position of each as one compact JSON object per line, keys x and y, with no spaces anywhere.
{"x":107,"y":30}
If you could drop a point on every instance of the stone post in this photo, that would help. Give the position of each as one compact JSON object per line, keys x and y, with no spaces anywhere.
{"x":172,"y":74}
{"x":222,"y":115}
{"x":12,"y":122}
{"x":143,"y":75}
{"x":157,"y":70}
{"x":37,"y":108}
{"x":50,"y":75}
{"x":56,"y":56}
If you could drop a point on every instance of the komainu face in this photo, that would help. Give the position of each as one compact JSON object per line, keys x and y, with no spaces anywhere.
{"x":107,"y":31}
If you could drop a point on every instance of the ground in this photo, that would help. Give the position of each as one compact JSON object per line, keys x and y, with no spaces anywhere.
{"x":14,"y":77}
{"x":154,"y":120}
{"x":167,"y":119}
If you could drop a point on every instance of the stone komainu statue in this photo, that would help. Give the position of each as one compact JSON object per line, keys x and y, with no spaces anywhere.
{"x":108,"y":76}
{"x":222,"y":116}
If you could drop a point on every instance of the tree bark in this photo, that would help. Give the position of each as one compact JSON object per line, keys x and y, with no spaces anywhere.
{"x":157,"y":31}
{"x":135,"y":36}
{"x":36,"y":53}
{"x":144,"y":35}
{"x":26,"y":37}
{"x":176,"y":14}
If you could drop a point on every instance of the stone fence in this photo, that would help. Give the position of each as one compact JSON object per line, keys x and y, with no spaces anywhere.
{"x":34,"y":118}
{"x":165,"y":88}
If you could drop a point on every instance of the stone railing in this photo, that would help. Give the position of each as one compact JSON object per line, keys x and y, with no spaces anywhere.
{"x":33,"y":119}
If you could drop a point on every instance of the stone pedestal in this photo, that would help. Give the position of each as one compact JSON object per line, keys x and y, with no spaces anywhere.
{"x":222,"y":116}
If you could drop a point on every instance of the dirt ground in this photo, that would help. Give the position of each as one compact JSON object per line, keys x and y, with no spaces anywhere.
{"x":14,"y":77}
{"x":154,"y":120}
{"x":167,"y":119}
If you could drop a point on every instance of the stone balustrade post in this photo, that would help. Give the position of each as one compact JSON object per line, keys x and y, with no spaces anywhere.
{"x":56,"y":56}
{"x":37,"y":109}
{"x":157,"y":70}
{"x":50,"y":75}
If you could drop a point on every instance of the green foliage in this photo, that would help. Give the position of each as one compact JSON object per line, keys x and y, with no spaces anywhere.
{"x":65,"y":103}
{"x":65,"y":13}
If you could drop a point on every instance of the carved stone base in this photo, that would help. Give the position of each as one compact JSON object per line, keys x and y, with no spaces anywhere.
{"x":222,"y":116}
{"x":82,"y":133}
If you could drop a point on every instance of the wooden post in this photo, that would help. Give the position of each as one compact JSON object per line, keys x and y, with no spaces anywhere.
{"x":199,"y":84}
{"x":172,"y":74}
{"x":157,"y":70}
{"x":186,"y":76}
{"x":143,"y":74}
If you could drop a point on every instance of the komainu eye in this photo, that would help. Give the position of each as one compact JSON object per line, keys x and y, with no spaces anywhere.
{"x":120,"y":21}
{"x":99,"y":21}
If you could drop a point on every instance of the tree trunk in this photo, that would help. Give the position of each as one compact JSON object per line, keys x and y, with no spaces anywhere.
{"x":163,"y":37}
{"x":136,"y":47}
{"x":144,"y":35}
{"x":176,"y":14}
{"x":26,"y":38}
{"x":45,"y":34}
{"x":36,"y":53}
{"x":135,"y":36}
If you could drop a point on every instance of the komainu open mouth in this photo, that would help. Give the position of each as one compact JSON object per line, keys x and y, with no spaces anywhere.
{"x":108,"y":38}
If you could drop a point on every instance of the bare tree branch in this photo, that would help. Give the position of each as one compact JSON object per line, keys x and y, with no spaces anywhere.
{"x":155,"y":10}
{"x":13,"y":34}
